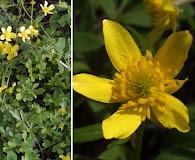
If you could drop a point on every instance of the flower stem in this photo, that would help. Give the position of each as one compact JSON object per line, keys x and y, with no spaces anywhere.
{"x":138,"y":149}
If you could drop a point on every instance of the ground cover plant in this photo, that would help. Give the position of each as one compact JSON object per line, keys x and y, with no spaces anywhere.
{"x":35,"y":80}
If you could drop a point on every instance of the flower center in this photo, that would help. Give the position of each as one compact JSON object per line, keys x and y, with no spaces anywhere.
{"x":138,"y":80}
{"x":139,"y":86}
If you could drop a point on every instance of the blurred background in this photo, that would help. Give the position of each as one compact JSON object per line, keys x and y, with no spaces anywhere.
{"x":90,"y":57}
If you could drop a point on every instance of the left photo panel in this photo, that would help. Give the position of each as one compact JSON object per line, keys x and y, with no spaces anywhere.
{"x":35,"y":80}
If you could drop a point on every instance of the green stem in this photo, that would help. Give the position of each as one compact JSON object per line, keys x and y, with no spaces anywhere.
{"x":139,"y":139}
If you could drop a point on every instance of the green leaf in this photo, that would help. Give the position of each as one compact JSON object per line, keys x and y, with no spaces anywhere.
{"x":15,"y":114}
{"x":119,"y":141}
{"x":87,"y":42}
{"x":11,"y":155}
{"x":86,"y":23}
{"x":111,"y":10}
{"x":60,"y":45}
{"x":121,"y":152}
{"x":39,"y":18}
{"x":137,"y":16}
{"x":176,"y":153}
{"x":88,"y":133}
{"x":65,"y":19}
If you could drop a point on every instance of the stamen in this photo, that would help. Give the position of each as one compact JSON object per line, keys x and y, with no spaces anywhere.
{"x":142,"y":101}
{"x":148,"y":112}
{"x":160,"y":108}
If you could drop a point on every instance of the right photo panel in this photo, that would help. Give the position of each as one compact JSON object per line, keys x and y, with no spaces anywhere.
{"x":133,"y":80}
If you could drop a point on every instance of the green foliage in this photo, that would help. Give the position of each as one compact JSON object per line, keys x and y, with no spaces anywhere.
{"x":35,"y":105}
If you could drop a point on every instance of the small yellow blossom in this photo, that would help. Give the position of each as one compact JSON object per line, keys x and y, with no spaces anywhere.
{"x":12,"y":51}
{"x":47,"y":10}
{"x":61,"y":126}
{"x":24,"y":33}
{"x":64,"y":157}
{"x":163,"y":13}
{"x":33,"y":32}
{"x":143,"y":84}
{"x":7,"y":34}
{"x":32,"y":2}
{"x":63,"y":111}
{"x":2,"y":88}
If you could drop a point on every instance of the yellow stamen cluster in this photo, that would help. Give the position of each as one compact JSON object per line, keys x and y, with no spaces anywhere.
{"x":139,"y":86}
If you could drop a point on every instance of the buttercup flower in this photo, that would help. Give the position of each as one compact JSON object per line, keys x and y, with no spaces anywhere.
{"x":2,"y":88}
{"x":143,"y":84}
{"x":33,"y":32}
{"x":7,"y":34}
{"x":163,"y":13}
{"x":63,"y":111}
{"x":32,"y":2}
{"x":24,"y":33}
{"x":12,"y":51}
{"x":64,"y":157}
{"x":47,"y":10}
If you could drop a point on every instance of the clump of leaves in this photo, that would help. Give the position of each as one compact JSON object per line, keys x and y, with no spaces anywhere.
{"x":35,"y":100}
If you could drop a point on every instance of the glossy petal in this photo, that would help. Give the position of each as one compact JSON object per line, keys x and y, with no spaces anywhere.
{"x":175,"y":114}
{"x":93,"y":87}
{"x":121,"y":124}
{"x":174,"y":52}
{"x":119,"y":44}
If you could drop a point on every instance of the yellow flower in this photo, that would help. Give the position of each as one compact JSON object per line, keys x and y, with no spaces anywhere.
{"x":46,"y":9}
{"x":63,"y":111}
{"x":24,"y":33}
{"x":142,"y":84}
{"x":10,"y":50}
{"x":163,"y":13}
{"x":32,"y":2}
{"x":64,"y":157}
{"x":33,"y":32}
{"x":61,"y":126}
{"x":2,"y":88}
{"x":7,"y":34}
{"x":1,"y":46}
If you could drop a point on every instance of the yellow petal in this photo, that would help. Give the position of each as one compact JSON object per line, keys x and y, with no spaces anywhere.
{"x":119,"y":44}
{"x":121,"y":124}
{"x":169,"y":6}
{"x":175,"y":114}
{"x":93,"y":87}
{"x":174,"y":52}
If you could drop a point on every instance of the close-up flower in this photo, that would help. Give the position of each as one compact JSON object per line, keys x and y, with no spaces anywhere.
{"x":162,"y":13}
{"x":142,"y":84}
{"x":64,"y":157}
{"x":24,"y":33}
{"x":47,"y":9}
{"x":7,"y":34}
